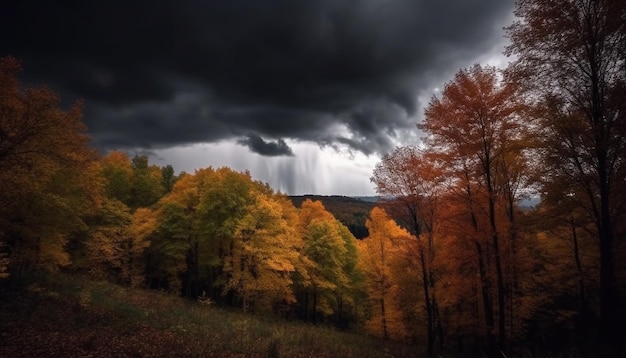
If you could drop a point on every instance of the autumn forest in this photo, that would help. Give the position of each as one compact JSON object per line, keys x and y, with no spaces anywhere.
{"x":454,"y":260}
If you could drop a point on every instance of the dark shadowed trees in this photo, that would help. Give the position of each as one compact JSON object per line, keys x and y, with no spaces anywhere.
{"x":571,"y":58}
{"x":46,"y":185}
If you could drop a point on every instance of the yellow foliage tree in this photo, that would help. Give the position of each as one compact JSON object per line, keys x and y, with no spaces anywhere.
{"x":327,"y":281}
{"x":264,"y":255}
{"x":142,"y":227}
{"x":379,"y":253}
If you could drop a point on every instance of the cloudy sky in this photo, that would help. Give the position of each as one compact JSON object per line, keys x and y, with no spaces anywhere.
{"x":307,"y":95}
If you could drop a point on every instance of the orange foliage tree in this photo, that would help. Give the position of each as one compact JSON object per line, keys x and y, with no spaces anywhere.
{"x":475,"y":128}
{"x":411,"y":182}
{"x":44,"y":160}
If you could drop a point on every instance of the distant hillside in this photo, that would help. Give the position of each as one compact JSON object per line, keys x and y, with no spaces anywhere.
{"x":371,"y":199}
{"x":350,"y":211}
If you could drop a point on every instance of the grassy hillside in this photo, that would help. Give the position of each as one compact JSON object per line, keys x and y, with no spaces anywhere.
{"x":71,"y":316}
{"x":350,"y":211}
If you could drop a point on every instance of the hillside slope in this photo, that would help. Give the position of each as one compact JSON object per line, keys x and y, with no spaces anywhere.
{"x":73,"y":316}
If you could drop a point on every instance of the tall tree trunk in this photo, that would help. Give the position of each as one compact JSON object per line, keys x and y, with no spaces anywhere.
{"x":384,"y":319}
{"x":602,"y":143}
{"x":485,"y":290}
{"x":131,"y":279}
{"x":438,"y":323}
{"x":608,"y":291}
{"x":306,"y":305}
{"x":314,"y":313}
{"x":579,"y":267}
{"x":501,"y":295}
{"x":487,"y":166}
{"x":482,"y":271}
{"x":427,"y":303}
{"x":427,"y":279}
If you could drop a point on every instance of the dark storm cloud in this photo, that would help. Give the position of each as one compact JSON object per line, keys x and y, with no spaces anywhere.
{"x":162,"y":73}
{"x":263,"y":147}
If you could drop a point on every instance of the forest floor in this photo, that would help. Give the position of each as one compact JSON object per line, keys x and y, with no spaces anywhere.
{"x":72,"y":316}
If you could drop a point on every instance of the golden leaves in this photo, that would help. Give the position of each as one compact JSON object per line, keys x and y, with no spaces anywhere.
{"x":43,"y":155}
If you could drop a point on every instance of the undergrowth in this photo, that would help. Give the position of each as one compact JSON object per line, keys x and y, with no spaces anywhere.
{"x":70,"y":315}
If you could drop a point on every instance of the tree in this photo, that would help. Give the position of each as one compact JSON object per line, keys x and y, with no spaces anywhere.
{"x":168,"y":178}
{"x":106,"y":242}
{"x":379,"y":252}
{"x":476,"y":129}
{"x":134,"y":182}
{"x":571,"y":58}
{"x":264,"y":255}
{"x":142,"y":228}
{"x":175,"y":256}
{"x":44,"y":171}
{"x":350,"y":293}
{"x":325,"y":248}
{"x":117,"y":171}
{"x":225,"y":197}
{"x":197,"y":235}
{"x":411,"y":182}
{"x":327,"y":278}
{"x":177,"y":233}
{"x":569,"y":256}
{"x":147,"y":183}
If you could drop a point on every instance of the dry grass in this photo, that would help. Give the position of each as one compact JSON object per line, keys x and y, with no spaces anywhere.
{"x":72,"y":316}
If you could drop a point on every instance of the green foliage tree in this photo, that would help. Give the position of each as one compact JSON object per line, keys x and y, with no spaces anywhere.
{"x":221,"y":232}
{"x":351,"y":294}
{"x":168,"y":178}
{"x":325,"y":248}
{"x":225,"y":200}
{"x":117,"y":172}
{"x":173,"y":251}
{"x":147,"y":183}
{"x":328,"y":277}
{"x":134,"y":182}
